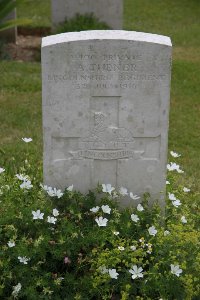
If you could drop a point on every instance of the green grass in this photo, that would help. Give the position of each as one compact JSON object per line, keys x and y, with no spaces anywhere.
{"x":39,"y":11}
{"x":20,"y":83}
{"x":184,"y":127}
{"x":20,"y":114}
{"x":178,"y":19}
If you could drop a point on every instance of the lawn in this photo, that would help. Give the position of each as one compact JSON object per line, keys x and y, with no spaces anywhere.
{"x":20,"y":83}
{"x":38,"y":11}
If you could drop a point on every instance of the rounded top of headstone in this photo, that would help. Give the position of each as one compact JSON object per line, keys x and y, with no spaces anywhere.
{"x":106,"y":35}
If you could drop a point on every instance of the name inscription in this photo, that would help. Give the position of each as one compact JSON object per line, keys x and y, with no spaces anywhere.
{"x":109,"y":71}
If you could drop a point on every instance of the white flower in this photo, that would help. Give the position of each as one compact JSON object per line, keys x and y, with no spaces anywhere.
{"x":37,"y":214}
{"x":106,"y":209}
{"x":27,"y":140}
{"x":183,"y":220}
{"x":26,"y":185}
{"x":2,"y":170}
{"x":171,"y":166}
{"x":174,"y":167}
{"x":22,"y":177}
{"x":172,"y":197}
{"x":51,"y":220}
{"x":107,"y":188}
{"x":142,"y":240}
{"x":176,"y":270}
{"x":23,"y":259}
{"x":149,"y":248}
{"x":149,"y":251}
{"x":70,"y":188}
{"x":121,"y":248}
{"x":166,"y":232}
{"x":136,"y":272}
{"x":186,"y":190}
{"x":140,"y":207}
{"x":134,"y":218}
{"x":133,"y":248}
{"x":174,"y":154}
{"x":103,"y":269}
{"x":134,"y":197}
{"x":55,"y":212}
{"x":59,"y":194}
{"x":94,"y":209}
{"x":123,"y":191}
{"x":60,"y":278}
{"x":53,"y":192}
{"x":116,"y":232}
{"x":44,"y":187}
{"x":167,"y":182}
{"x":113,"y":273}
{"x":16,"y":289}
{"x":176,"y":203}
{"x":152,"y":230}
{"x":11,"y":244}
{"x":101,"y":221}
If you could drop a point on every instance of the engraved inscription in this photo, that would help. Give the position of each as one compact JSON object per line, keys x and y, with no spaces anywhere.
{"x":107,"y":57}
{"x":123,"y":71}
{"x":107,"y":137}
{"x":107,"y":67}
{"x":106,"y":140}
{"x":107,"y":155}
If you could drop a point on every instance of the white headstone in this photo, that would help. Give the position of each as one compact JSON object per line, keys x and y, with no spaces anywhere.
{"x":105,"y":110}
{"x":109,"y":11}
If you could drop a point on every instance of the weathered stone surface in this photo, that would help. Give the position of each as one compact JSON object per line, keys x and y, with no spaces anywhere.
{"x":109,"y":11}
{"x":10,"y":35}
{"x":105,"y":110}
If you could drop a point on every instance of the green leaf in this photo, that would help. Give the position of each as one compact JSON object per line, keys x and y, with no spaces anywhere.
{"x":7,"y":6}
{"x":13,"y":23}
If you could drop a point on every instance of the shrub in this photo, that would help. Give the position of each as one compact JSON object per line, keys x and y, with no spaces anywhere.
{"x":80,"y":23}
{"x":6,"y":7}
{"x":66,"y":245}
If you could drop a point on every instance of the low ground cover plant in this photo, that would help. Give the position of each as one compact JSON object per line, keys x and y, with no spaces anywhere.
{"x":81,"y":22}
{"x":65,"y":245}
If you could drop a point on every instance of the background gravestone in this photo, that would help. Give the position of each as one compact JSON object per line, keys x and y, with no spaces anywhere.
{"x":109,"y":11}
{"x":10,"y":35}
{"x":105,"y":110}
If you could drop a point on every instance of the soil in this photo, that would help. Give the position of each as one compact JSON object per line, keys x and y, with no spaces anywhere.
{"x":27,"y":48}
{"x":28,"y":45}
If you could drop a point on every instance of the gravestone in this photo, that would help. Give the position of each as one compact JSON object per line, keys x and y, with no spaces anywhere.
{"x":109,"y":11}
{"x":9,"y":35}
{"x":105,"y":110}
